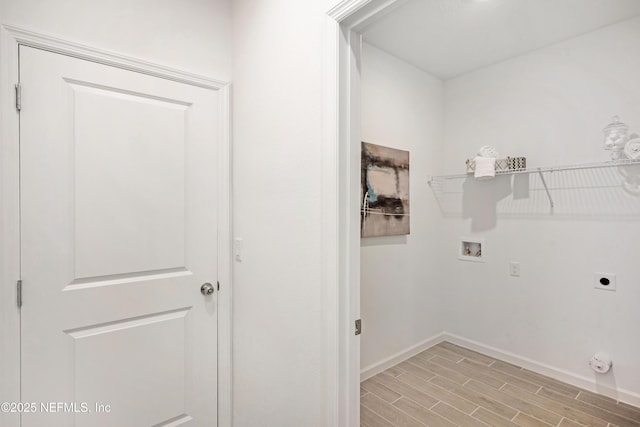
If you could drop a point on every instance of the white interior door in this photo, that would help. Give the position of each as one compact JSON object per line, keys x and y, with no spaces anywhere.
{"x":118,"y":223}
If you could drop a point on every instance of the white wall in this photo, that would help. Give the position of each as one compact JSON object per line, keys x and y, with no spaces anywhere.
{"x":279,"y":377}
{"x":277,"y":96}
{"x":401,"y":292}
{"x":193,"y":36}
{"x":549,"y":106}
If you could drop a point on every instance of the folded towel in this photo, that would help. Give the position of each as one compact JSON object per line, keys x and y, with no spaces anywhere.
{"x":488,"y":151}
{"x":485,"y":167}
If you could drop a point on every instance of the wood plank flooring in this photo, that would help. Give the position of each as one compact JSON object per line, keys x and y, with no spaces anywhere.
{"x":447,"y":386}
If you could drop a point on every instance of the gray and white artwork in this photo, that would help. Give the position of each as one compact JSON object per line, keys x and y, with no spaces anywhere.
{"x":384,"y":209}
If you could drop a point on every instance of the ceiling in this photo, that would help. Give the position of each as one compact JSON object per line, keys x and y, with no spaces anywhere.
{"x":448,"y":38}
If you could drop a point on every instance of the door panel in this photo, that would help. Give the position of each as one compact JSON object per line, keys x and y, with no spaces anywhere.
{"x":153,"y":367}
{"x":129,"y":180}
{"x":118,"y":210}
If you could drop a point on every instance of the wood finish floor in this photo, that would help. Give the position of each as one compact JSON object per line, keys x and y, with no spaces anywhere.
{"x":448,"y":385}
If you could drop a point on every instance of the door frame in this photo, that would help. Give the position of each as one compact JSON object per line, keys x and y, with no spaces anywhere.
{"x":10,"y":39}
{"x":341,"y":207}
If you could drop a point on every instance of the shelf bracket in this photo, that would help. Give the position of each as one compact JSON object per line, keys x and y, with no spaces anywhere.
{"x":545,"y":187}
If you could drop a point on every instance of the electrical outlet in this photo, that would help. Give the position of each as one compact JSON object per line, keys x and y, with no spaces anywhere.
{"x":604,"y":281}
{"x":514,"y":268}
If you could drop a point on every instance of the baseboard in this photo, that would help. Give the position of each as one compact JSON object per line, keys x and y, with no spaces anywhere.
{"x":530,"y":364}
{"x":371,"y":370}
{"x":543,"y":369}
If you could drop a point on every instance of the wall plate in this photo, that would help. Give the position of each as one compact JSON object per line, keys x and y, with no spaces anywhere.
{"x":604,"y":281}
{"x":472,"y":249}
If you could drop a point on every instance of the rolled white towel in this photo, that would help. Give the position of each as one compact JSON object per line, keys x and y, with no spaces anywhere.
{"x":485,"y":167}
{"x":488,"y":151}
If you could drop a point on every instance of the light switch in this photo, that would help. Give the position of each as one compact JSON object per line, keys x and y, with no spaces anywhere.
{"x":514,"y":268}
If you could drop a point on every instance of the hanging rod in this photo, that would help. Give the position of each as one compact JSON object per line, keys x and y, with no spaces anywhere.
{"x":611,"y":163}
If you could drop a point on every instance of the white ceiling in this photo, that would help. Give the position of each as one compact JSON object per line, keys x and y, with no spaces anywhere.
{"x":447,"y":38}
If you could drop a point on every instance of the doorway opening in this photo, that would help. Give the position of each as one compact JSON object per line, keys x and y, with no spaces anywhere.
{"x":547,"y":98}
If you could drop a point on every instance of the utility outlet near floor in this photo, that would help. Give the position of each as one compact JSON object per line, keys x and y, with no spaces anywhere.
{"x":514,"y":268}
{"x":605,"y":281}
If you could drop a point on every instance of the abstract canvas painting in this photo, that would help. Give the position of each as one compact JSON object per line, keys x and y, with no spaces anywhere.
{"x":384,"y":208}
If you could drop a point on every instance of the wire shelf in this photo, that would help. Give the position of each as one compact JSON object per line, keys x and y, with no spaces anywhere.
{"x":445,"y":184}
{"x":611,"y":163}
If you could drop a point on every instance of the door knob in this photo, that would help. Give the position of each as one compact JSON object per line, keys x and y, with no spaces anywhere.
{"x":207,"y":289}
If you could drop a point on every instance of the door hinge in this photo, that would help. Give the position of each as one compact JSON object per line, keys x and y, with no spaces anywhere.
{"x":358,"y":327}
{"x":18,"y":96}
{"x":19,"y":293}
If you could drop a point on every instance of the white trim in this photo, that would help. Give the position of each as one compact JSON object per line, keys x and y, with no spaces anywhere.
{"x":334,"y":381}
{"x":225,"y":263}
{"x":10,"y":38}
{"x":621,"y":395}
{"x":350,"y":227}
{"x":340,"y":210}
{"x":343,"y":356}
{"x":400,"y":357}
{"x":9,"y":229}
{"x":345,"y":8}
{"x":544,"y":369}
{"x":58,"y":45}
